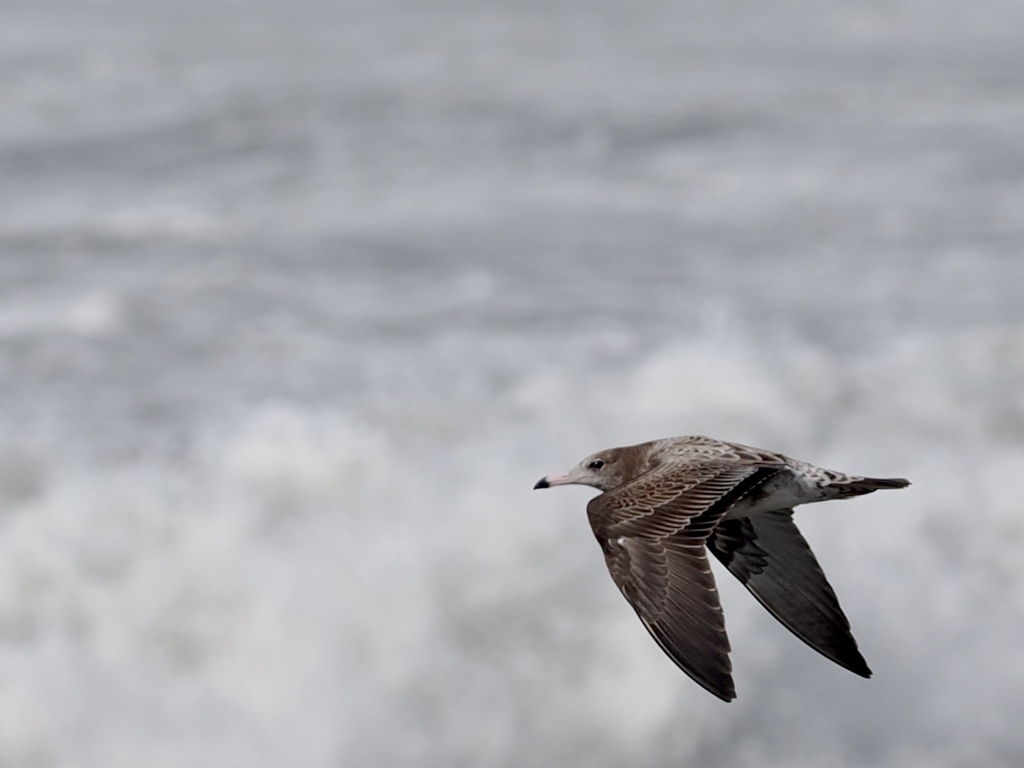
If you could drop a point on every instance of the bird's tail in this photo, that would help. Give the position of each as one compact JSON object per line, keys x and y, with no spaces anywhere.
{"x":864,"y":485}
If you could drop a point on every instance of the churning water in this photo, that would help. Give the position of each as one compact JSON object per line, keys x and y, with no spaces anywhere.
{"x":297,"y":301}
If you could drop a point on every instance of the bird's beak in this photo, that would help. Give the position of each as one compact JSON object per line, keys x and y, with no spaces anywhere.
{"x":550,"y":480}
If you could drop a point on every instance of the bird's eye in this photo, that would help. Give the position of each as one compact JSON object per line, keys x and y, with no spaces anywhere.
{"x":596,"y":464}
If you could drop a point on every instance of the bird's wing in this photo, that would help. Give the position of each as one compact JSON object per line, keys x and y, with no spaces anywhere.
{"x":767,"y":553}
{"x":653,"y":531}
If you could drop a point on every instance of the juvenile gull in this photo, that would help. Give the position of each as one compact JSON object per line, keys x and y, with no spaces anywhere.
{"x":666,"y":500}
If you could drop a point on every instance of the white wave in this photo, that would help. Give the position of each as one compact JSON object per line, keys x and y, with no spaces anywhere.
{"x":324,"y":586}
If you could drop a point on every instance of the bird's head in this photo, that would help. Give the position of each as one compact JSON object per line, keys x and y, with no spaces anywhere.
{"x":603,"y":470}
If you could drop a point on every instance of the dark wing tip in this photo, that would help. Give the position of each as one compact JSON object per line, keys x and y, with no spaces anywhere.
{"x":718,"y":681}
{"x":843,"y":651}
{"x":542,"y":483}
{"x":857,"y":665}
{"x":704,"y":660}
{"x":727,"y":693}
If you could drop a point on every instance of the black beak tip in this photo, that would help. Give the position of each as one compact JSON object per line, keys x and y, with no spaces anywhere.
{"x":542,"y":483}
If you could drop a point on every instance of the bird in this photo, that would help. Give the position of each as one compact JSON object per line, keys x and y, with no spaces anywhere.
{"x":666,"y":503}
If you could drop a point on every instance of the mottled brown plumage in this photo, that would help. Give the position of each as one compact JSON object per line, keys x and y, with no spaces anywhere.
{"x":667,"y":502}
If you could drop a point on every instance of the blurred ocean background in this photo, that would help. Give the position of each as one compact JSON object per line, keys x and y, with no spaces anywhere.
{"x":299,"y":299}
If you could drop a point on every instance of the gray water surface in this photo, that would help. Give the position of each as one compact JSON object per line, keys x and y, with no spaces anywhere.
{"x":298,"y":300}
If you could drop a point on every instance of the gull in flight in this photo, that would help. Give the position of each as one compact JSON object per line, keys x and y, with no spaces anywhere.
{"x":666,"y":502}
